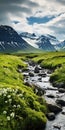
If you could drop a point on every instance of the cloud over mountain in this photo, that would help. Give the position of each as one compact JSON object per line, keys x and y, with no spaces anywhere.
{"x":48,"y":17}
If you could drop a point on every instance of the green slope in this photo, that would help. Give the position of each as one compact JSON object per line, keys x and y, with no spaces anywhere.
{"x":20,"y":108}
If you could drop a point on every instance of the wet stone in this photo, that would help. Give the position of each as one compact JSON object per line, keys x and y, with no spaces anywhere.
{"x":31,"y":74}
{"x":42,"y":74}
{"x":36,"y":70}
{"x":54,"y":107}
{"x":60,"y":102}
{"x":57,"y":126}
{"x":49,"y":71}
{"x":63,"y":112}
{"x":50,"y":116}
{"x":50,"y":96}
{"x":61,"y":90}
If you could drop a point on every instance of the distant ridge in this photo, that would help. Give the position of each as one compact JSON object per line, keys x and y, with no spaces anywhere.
{"x":41,"y":42}
{"x":10,"y":40}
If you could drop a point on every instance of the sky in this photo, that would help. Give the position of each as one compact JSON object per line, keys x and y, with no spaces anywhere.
{"x":34,"y":16}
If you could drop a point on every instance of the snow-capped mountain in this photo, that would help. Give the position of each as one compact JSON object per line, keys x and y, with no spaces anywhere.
{"x":53,"y":39}
{"x":11,"y":41}
{"x":30,"y":38}
{"x":61,"y":45}
{"x":42,"y":42}
{"x":28,"y":35}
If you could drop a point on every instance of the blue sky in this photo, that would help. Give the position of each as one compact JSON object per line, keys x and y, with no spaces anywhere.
{"x":40,"y":17}
{"x":32,"y":20}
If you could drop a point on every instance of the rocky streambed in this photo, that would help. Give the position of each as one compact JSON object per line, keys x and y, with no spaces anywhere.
{"x":55,"y":97}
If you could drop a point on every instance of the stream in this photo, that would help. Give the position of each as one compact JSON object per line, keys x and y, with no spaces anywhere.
{"x":51,"y":94}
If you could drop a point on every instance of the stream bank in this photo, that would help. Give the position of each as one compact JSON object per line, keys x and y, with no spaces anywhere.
{"x":55,"y":98}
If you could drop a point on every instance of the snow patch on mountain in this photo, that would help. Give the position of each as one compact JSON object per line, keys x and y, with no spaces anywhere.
{"x":32,"y":42}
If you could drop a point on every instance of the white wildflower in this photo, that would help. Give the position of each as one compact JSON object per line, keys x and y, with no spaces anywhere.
{"x":23,"y":98}
{"x":4,"y":95}
{"x":8,"y":118}
{"x":13,"y":90}
{"x":14,"y":106}
{"x":12,"y":114}
{"x":10,"y":100}
{"x":5,"y":112}
{"x":9,"y":96}
{"x":5,"y":101}
{"x":18,"y":106}
{"x":20,"y":95}
{"x":9,"y":90}
{"x":16,"y":90}
{"x":4,"y":90}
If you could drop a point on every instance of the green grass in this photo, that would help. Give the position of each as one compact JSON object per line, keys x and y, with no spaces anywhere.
{"x":54,"y":61}
{"x":20,"y":108}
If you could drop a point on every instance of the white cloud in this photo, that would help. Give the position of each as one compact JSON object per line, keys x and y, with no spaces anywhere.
{"x":19,"y":11}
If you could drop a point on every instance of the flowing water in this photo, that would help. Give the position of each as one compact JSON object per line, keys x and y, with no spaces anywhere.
{"x":44,"y":83}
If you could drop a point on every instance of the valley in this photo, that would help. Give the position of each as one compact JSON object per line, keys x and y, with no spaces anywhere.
{"x":32,"y":65}
{"x":24,"y":105}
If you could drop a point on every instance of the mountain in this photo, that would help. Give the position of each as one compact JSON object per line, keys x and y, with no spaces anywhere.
{"x":30,"y":38}
{"x":11,"y":41}
{"x":61,"y":45}
{"x":28,"y":35}
{"x":41,"y":42}
{"x":53,"y":39}
{"x":44,"y":43}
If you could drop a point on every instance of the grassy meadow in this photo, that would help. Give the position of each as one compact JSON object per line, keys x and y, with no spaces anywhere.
{"x":20,"y":107}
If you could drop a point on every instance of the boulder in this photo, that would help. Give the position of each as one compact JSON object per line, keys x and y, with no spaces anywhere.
{"x":31,"y":74}
{"x":50,"y":96}
{"x":60,"y":102}
{"x":25,"y":70}
{"x":61,"y":90}
{"x":36,"y":70}
{"x":50,"y":116}
{"x":53,"y":107}
{"x":59,"y":85}
{"x":28,"y":84}
{"x":40,"y":79}
{"x":42,"y":74}
{"x":57,"y":126}
{"x":49,"y":71}
{"x":32,"y":63}
{"x":63,"y":112}
{"x":40,"y":92}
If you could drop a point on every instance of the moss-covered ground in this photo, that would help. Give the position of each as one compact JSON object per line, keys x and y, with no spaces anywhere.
{"x":20,"y":107}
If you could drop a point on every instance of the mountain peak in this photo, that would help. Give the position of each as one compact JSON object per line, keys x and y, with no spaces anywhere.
{"x":42,"y":42}
{"x":11,"y":41}
{"x":28,"y":35}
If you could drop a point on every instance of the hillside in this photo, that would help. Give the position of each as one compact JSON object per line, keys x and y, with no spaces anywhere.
{"x":20,"y":107}
{"x":10,"y":41}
